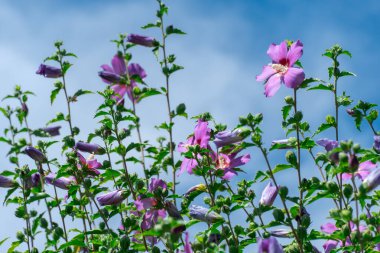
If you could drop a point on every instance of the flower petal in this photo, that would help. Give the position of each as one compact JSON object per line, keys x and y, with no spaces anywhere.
{"x":294,"y":77}
{"x":295,"y":52}
{"x":118,"y":65}
{"x":278,"y":52}
{"x":120,"y":91}
{"x":328,"y":228}
{"x":272,"y":85}
{"x":267,"y":72}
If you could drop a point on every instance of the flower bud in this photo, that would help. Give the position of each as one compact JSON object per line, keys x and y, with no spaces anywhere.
{"x":204,"y":214}
{"x":89,"y":148}
{"x":141,"y":40}
{"x":62,"y":182}
{"x":269,"y":195}
{"x":6,"y":182}
{"x":372,"y":181}
{"x":111,"y":198}
{"x":49,"y":71}
{"x":20,"y":236}
{"x":53,"y":131}
{"x":376,"y":144}
{"x":35,"y":154}
{"x":172,"y":210}
{"x":198,"y":187}
{"x":224,"y":138}
{"x":353,"y":163}
{"x":281,"y":233}
{"x":289,"y":100}
{"x":291,"y":158}
{"x":269,"y":245}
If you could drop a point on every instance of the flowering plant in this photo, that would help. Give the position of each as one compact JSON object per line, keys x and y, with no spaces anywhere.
{"x":115,"y":190}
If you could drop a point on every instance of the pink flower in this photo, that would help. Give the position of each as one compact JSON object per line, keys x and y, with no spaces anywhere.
{"x":281,"y":70}
{"x":116,"y":74}
{"x":201,"y":137}
{"x":91,"y":164}
{"x":228,"y":162}
{"x":363,"y":171}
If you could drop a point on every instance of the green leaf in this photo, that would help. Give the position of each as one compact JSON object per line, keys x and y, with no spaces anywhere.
{"x":54,"y":94}
{"x":36,"y":197}
{"x":76,"y":241}
{"x":82,"y":92}
{"x":148,"y":93}
{"x":285,"y":111}
{"x":322,"y":87}
{"x":346,"y":73}
{"x":13,"y":246}
{"x":172,"y":30}
{"x":323,"y":127}
{"x":57,"y":118}
{"x":2,"y":241}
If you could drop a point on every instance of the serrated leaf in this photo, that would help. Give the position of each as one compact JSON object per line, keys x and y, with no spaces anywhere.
{"x":322,"y":87}
{"x":54,"y":94}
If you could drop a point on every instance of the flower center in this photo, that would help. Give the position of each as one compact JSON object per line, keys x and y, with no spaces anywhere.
{"x":223,"y":163}
{"x":280,"y":68}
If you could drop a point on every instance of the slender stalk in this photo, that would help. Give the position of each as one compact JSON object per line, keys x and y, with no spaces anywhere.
{"x":246,"y":211}
{"x":167,"y":94}
{"x":298,"y":157}
{"x":357,"y":213}
{"x":371,"y":125}
{"x":282,"y":200}
{"x":142,"y":148}
{"x":27,"y":220}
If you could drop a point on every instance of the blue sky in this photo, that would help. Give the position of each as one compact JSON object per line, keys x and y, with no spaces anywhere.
{"x":224,"y":49}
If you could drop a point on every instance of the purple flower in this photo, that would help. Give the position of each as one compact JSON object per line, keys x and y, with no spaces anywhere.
{"x":111,"y":198}
{"x":62,"y":182}
{"x":201,"y":137}
{"x":376,"y":144}
{"x":172,"y":210}
{"x":147,"y":203}
{"x":285,"y":143}
{"x":53,"y":131}
{"x":328,"y":228}
{"x":187,"y":246}
{"x":328,"y":144}
{"x":203,"y":214}
{"x":269,"y":245}
{"x":89,"y":147}
{"x":198,"y":187}
{"x":33,"y":181}
{"x":281,"y":70}
{"x":141,"y":40}
{"x":156,"y":183}
{"x":227,"y":163}
{"x":329,"y":245}
{"x":224,"y":138}
{"x":35,"y":154}
{"x":6,"y":182}
{"x":24,"y":108}
{"x":372,"y":180}
{"x":90,"y":164}
{"x":363,"y":171}
{"x":49,"y":71}
{"x":117,"y":72}
{"x":269,"y":195}
{"x":281,"y":233}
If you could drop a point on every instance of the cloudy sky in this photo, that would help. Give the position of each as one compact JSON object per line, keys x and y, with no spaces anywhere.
{"x":224,"y":49}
